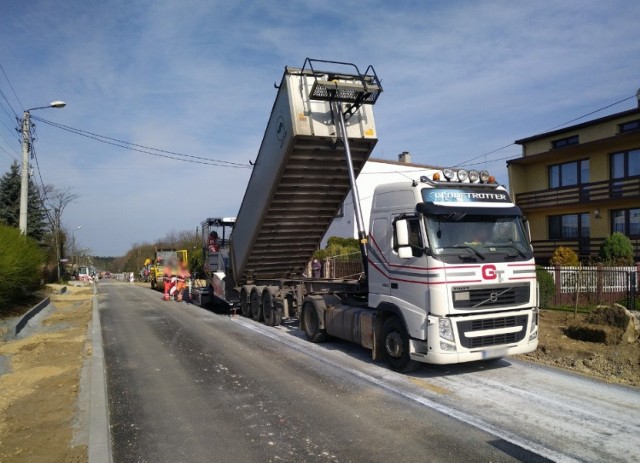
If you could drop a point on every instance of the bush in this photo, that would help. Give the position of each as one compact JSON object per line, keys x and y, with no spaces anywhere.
{"x":337,"y":246}
{"x":617,"y":250}
{"x":21,"y":263}
{"x":546,"y":285}
{"x":564,"y":256}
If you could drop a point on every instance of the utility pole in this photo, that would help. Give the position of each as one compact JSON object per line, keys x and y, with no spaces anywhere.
{"x":26,"y":149}
{"x":24,"y":185}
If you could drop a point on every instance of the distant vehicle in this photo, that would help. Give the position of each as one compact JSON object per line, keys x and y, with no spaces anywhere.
{"x":84,"y":274}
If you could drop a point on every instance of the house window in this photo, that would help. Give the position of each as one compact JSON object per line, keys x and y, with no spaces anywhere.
{"x":626,"y":221}
{"x":569,"y":173}
{"x":629,"y":126}
{"x":569,"y":227}
{"x":561,"y":142}
{"x":625,"y":164}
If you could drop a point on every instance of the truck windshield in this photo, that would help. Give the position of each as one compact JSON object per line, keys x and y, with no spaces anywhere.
{"x":166,"y":257}
{"x":459,"y":237}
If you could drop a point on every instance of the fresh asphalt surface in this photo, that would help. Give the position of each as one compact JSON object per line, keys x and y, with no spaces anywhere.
{"x":187,"y":385}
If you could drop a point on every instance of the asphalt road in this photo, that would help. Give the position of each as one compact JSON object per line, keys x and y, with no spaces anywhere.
{"x":188,"y":385}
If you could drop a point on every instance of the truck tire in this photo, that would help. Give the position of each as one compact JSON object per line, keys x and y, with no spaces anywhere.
{"x":245,"y":307}
{"x":395,"y":346}
{"x":269,"y":309}
{"x":255,"y":303}
{"x":153,"y":285}
{"x":312,"y":324}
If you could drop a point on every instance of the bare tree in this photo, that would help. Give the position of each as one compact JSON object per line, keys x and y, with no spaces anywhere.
{"x":56,"y":201}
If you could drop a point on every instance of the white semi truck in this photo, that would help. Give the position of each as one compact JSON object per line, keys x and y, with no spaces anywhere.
{"x":449,"y":274}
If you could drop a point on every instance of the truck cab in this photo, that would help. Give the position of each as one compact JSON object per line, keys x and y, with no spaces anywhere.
{"x":453,"y":263}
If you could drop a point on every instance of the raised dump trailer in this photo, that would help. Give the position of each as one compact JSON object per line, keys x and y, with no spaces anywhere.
{"x":300,"y":177}
{"x":449,"y":274}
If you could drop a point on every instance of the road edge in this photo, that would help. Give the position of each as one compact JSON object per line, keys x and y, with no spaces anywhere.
{"x":99,"y":435}
{"x":30,"y":314}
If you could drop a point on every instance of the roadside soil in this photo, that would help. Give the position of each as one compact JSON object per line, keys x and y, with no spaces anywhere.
{"x":614,"y":363}
{"x":40,"y":419}
{"x":39,"y":399}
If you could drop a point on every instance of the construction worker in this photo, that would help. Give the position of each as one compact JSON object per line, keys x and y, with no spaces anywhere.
{"x":169,"y":278}
{"x":182,"y":277}
{"x":213,"y":242}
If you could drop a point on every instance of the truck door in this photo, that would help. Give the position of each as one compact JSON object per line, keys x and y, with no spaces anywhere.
{"x":409,"y":279}
{"x":379,"y":244}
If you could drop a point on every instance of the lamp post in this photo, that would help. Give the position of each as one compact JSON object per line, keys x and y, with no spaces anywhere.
{"x":26,"y":148}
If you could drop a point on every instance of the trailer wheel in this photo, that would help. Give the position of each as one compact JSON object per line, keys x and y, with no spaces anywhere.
{"x":256,"y":306}
{"x":269,"y":310}
{"x":245,"y":307}
{"x":312,"y":324}
{"x":395,"y":346}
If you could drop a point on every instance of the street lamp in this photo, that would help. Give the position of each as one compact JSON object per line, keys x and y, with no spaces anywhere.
{"x":26,"y":148}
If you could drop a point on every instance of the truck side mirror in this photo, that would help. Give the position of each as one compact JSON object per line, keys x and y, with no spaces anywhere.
{"x":402,"y":239}
{"x":402,"y":233}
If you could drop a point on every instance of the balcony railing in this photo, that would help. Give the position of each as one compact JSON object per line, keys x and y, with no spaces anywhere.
{"x":627,"y":188}
{"x":585,"y":248}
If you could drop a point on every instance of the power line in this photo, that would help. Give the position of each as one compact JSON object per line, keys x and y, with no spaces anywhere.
{"x":9,"y":154}
{"x":484,"y":155}
{"x":12,"y":89}
{"x":144,"y":149}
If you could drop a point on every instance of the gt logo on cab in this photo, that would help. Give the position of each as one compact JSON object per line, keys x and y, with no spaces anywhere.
{"x":489,"y":272}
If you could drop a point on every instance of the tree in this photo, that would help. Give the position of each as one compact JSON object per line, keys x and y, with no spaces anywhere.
{"x":617,"y":250}
{"x":20,"y":265}
{"x":56,"y":201}
{"x":10,"y":204}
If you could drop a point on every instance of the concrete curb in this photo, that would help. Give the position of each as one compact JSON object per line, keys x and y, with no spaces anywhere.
{"x":99,"y":434}
{"x":31,"y":313}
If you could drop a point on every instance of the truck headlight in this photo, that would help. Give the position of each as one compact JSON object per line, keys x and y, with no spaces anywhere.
{"x":534,"y":319}
{"x":445,"y":329}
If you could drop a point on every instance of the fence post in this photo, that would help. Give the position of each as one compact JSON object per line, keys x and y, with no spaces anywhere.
{"x":558,"y":281}
{"x":632,"y":280}
{"x":599,"y":282}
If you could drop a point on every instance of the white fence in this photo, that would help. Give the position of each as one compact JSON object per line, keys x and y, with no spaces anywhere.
{"x":593,"y":279}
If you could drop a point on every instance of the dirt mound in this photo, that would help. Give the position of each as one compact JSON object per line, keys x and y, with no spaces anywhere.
{"x":606,"y":325}
{"x":615,"y":363}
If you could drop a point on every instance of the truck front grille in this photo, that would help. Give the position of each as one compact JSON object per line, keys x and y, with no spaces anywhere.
{"x":491,"y":324}
{"x":491,"y":297}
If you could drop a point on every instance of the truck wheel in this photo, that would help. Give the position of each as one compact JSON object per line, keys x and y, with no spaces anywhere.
{"x":153,"y":284}
{"x":269,"y":310}
{"x":312,"y":324}
{"x":245,"y":307}
{"x":256,"y":306}
{"x":395,"y":346}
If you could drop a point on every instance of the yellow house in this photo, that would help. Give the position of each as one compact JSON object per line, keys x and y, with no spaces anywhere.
{"x":579,"y":184}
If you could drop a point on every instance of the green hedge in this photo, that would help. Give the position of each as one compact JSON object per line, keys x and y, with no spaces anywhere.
{"x":21,"y":264}
{"x":546,"y":285}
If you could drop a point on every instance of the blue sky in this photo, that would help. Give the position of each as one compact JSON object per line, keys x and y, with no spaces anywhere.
{"x":460,"y":79}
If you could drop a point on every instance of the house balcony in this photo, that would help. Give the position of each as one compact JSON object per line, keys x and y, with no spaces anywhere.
{"x":585,"y":248}
{"x":602,"y":192}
